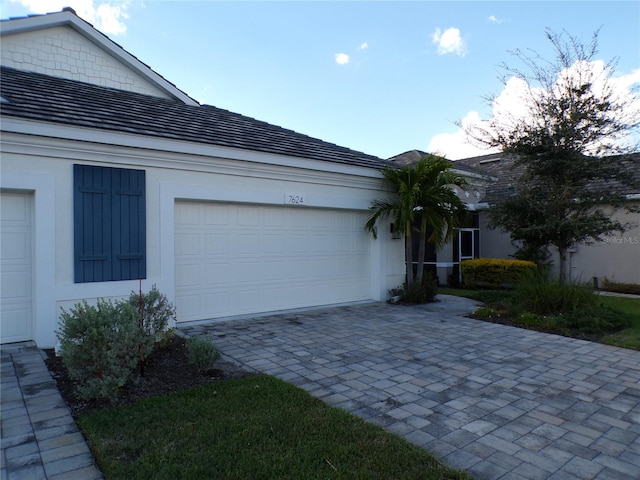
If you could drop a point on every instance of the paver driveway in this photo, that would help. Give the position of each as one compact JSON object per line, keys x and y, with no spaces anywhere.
{"x":497,"y":401}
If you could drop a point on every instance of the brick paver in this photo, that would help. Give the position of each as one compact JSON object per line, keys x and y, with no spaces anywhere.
{"x":39,"y":438}
{"x":497,"y":401}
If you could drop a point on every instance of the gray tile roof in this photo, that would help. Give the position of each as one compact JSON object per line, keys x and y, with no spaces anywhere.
{"x":504,"y":171}
{"x":33,"y":96}
{"x":412,"y":156}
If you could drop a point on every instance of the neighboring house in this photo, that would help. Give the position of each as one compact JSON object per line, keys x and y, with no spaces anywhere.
{"x":112,"y":176}
{"x":490,"y":177}
{"x":617,"y":258}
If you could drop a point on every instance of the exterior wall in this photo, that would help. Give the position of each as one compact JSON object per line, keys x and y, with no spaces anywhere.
{"x":494,"y":243}
{"x":617,"y":258}
{"x":43,"y":165}
{"x":63,"y":52}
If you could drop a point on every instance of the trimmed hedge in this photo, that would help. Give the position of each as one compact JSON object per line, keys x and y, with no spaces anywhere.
{"x":494,"y":272}
{"x":617,"y":287}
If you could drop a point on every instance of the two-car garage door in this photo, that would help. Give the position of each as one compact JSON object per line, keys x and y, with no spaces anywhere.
{"x":234,"y":259}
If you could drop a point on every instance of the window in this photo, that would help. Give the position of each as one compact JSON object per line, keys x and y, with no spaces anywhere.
{"x":109,"y":224}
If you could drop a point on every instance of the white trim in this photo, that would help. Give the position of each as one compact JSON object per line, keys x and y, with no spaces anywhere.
{"x":107,"y":143}
{"x":68,"y":18}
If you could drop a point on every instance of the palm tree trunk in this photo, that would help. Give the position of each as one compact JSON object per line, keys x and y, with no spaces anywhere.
{"x":421,"y":249}
{"x":408,"y":253}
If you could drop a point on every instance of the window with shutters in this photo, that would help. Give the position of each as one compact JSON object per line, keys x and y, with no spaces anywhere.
{"x":109,"y":224}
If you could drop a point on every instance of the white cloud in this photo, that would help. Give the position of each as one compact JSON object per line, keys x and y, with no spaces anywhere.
{"x":342,"y":58}
{"x":363,"y":46}
{"x":108,"y":16}
{"x":511,"y":105}
{"x":449,"y":41}
{"x":494,"y":19}
{"x":457,"y":145}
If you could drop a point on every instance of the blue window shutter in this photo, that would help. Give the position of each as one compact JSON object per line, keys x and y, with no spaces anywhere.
{"x":129,"y":224}
{"x":91,"y":233}
{"x":109,"y":224}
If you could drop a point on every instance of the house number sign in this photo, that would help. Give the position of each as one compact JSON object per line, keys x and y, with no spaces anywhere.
{"x":294,"y":199}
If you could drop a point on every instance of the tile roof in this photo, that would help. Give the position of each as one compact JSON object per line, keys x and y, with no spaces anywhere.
{"x":504,"y":171}
{"x":412,"y":156}
{"x":33,"y":96}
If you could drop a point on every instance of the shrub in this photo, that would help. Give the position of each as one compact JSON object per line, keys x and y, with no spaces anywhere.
{"x":202,"y":352}
{"x":99,"y":347}
{"x":596,"y":319}
{"x":102,"y":345}
{"x":538,"y":293}
{"x":630,"y":288}
{"x":153,"y":313}
{"x":482,"y":272}
{"x":416,"y":293}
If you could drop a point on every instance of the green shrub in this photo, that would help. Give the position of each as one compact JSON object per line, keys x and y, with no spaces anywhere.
{"x":416,"y":293}
{"x":617,"y":287}
{"x":152,"y":312}
{"x":596,"y":319}
{"x":202,"y":352}
{"x":539,"y":293}
{"x":492,"y":272}
{"x":99,"y":347}
{"x":102,"y":345}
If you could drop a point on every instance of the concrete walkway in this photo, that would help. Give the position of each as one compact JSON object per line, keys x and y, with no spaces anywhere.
{"x":39,"y":437}
{"x":499,"y":402}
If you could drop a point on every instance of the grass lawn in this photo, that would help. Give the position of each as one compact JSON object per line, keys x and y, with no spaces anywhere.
{"x":627,"y":338}
{"x":253,"y":428}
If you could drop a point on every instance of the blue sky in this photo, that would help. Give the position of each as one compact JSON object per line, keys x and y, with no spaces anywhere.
{"x":381,"y":77}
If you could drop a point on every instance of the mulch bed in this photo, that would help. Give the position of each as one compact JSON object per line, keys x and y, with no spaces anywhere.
{"x":166,"y":371}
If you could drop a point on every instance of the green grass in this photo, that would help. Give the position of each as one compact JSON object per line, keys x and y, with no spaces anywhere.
{"x":253,"y":428}
{"x":627,"y":338}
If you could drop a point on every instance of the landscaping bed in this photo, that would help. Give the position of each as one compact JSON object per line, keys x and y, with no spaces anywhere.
{"x":166,"y":371}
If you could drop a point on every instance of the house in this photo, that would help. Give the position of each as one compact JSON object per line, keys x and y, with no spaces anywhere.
{"x":490,"y":177}
{"x":113,"y":179}
{"x":617,"y":258}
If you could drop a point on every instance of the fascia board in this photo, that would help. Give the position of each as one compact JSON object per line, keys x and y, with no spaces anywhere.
{"x":66,"y":18}
{"x":91,"y":135}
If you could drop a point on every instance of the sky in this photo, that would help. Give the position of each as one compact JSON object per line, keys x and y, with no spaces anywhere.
{"x":381,"y":77}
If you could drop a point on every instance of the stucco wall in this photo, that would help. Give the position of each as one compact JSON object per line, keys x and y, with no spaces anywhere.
{"x":44,"y":166}
{"x":616,"y":258}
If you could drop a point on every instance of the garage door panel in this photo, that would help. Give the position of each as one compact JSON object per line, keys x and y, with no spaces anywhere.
{"x":267,"y":258}
{"x":16,"y":267}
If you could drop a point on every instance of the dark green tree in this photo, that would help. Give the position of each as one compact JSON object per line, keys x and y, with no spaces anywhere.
{"x":422,"y":195}
{"x":572,"y":167}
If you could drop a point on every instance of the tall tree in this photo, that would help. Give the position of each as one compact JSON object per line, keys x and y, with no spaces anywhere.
{"x":571,"y":165}
{"x":424,"y":196}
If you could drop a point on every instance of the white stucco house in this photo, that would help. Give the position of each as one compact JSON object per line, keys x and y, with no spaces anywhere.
{"x":111,"y":176}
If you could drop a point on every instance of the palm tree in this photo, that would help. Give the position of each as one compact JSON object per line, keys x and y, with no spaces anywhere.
{"x":423,"y":192}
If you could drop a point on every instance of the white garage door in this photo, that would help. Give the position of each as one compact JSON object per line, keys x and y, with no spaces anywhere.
{"x":243,"y":259}
{"x":16,"y":267}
